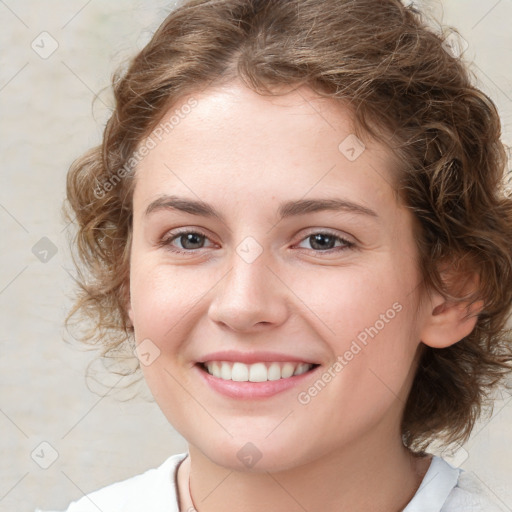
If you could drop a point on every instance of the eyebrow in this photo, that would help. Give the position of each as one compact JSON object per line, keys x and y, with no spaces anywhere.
{"x":286,"y":209}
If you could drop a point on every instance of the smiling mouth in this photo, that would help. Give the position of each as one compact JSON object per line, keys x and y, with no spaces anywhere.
{"x":256,"y":372}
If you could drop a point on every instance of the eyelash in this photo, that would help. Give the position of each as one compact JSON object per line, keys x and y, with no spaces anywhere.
{"x":173,"y":235}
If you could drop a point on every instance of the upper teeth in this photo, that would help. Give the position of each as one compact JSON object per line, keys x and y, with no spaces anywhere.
{"x":257,"y":372}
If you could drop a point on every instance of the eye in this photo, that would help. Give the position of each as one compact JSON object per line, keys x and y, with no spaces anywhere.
{"x":189,"y":241}
{"x":324,"y":241}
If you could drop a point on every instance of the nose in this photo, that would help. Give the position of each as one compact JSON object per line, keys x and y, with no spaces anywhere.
{"x":250,"y":297}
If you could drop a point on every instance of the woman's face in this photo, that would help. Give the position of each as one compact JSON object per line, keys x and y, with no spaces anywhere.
{"x":267,"y":241}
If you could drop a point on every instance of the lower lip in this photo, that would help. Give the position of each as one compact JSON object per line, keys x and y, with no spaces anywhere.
{"x":252,"y":390}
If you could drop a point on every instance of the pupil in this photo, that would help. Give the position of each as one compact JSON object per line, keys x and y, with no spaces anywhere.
{"x":189,"y":237}
{"x":318,"y":238}
{"x":321,"y":241}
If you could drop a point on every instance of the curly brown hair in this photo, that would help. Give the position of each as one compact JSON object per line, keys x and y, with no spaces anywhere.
{"x":405,"y":89}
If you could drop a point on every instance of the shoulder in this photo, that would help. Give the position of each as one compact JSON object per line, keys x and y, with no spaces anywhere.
{"x":446,"y":488}
{"x":154,"y":490}
{"x":469,"y":495}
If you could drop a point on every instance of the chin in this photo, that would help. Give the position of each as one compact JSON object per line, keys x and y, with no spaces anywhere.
{"x":254,"y":457}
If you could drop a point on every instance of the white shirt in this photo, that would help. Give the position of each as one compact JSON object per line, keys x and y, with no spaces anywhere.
{"x":443,"y":489}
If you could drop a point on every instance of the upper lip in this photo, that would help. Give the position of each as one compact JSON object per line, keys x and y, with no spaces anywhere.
{"x":253,"y":357}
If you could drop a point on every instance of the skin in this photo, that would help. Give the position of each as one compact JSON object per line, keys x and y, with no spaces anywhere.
{"x":244,"y":154}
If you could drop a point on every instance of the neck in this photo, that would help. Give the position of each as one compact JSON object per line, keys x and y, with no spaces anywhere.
{"x":367,"y":475}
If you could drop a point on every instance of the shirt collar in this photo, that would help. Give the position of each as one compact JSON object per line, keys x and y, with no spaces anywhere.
{"x":436,"y":486}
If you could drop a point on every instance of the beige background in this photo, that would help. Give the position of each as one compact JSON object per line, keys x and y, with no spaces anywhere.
{"x":47,"y":120}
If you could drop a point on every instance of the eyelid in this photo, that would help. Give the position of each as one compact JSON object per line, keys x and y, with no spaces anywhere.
{"x":327,"y":231}
{"x":172,"y":235}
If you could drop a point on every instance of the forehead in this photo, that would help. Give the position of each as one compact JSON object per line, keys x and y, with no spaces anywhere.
{"x":233,"y":114}
{"x":230,"y":139}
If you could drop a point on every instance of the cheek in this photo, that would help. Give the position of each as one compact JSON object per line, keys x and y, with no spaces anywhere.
{"x":373,"y":346}
{"x":367,"y":318}
{"x":165,"y":301}
{"x":345,"y":302}
{"x":161,"y":298}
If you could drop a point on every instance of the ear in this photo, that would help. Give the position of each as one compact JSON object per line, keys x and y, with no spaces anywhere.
{"x":447,"y":321}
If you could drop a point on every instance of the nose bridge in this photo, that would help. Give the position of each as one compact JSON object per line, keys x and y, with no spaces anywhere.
{"x":249,"y":295}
